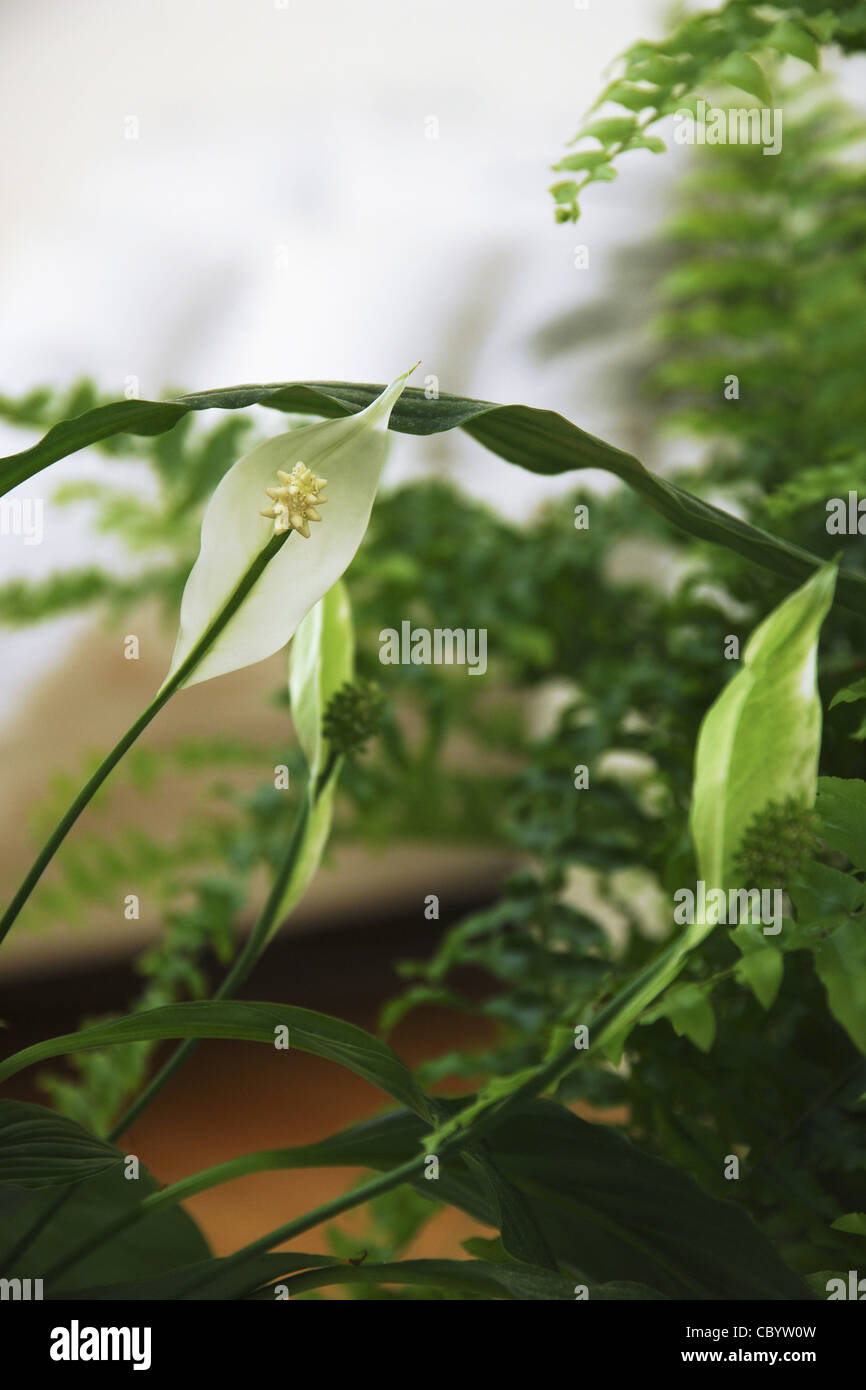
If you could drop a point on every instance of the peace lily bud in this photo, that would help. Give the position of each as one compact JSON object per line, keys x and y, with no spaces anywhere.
{"x":346,"y":456}
{"x":353,"y":715}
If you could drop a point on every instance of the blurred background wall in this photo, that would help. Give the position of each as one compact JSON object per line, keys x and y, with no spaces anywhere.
{"x":198,"y":194}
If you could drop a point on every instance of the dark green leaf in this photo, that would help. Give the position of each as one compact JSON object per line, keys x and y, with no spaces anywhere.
{"x":603,"y":1206}
{"x":157,"y":1243}
{"x":39,"y":1148}
{"x":520,"y":1233}
{"x":840,"y":960}
{"x":618,"y":1213}
{"x":825,"y":897}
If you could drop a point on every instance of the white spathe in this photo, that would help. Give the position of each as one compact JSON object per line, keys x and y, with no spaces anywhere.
{"x":349,"y":453}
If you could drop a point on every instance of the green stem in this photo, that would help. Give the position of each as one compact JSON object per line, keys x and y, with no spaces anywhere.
{"x":603,"y":1025}
{"x":236,"y":977}
{"x":52,"y":845}
{"x":326,"y":1212}
{"x":55,"y":840}
{"x":269,"y":1160}
{"x":247,"y":957}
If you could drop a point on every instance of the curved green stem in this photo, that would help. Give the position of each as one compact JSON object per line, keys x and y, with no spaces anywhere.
{"x":247,"y":957}
{"x":53,"y":843}
{"x":603,"y":1027}
{"x":186,"y":668}
{"x":268,"y":1160}
{"x":239,"y":972}
{"x":326,"y":1212}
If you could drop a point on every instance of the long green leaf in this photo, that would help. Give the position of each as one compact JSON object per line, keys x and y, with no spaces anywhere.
{"x":541,"y":441}
{"x":326,"y":1037}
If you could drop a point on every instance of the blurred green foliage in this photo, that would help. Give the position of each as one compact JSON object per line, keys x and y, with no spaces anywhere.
{"x":731,"y":52}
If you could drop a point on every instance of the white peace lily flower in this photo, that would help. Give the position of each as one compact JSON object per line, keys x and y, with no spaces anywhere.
{"x":292,"y":469}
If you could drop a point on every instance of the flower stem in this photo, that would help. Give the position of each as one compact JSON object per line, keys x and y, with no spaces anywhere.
{"x":251,"y":1163}
{"x":247,"y":957}
{"x":233,"y":981}
{"x":202,"y":646}
{"x":603,"y":1026}
{"x":413,"y":1167}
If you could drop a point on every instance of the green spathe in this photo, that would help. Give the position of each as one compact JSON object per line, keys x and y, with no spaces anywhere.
{"x":322,"y":659}
{"x":760,"y":741}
